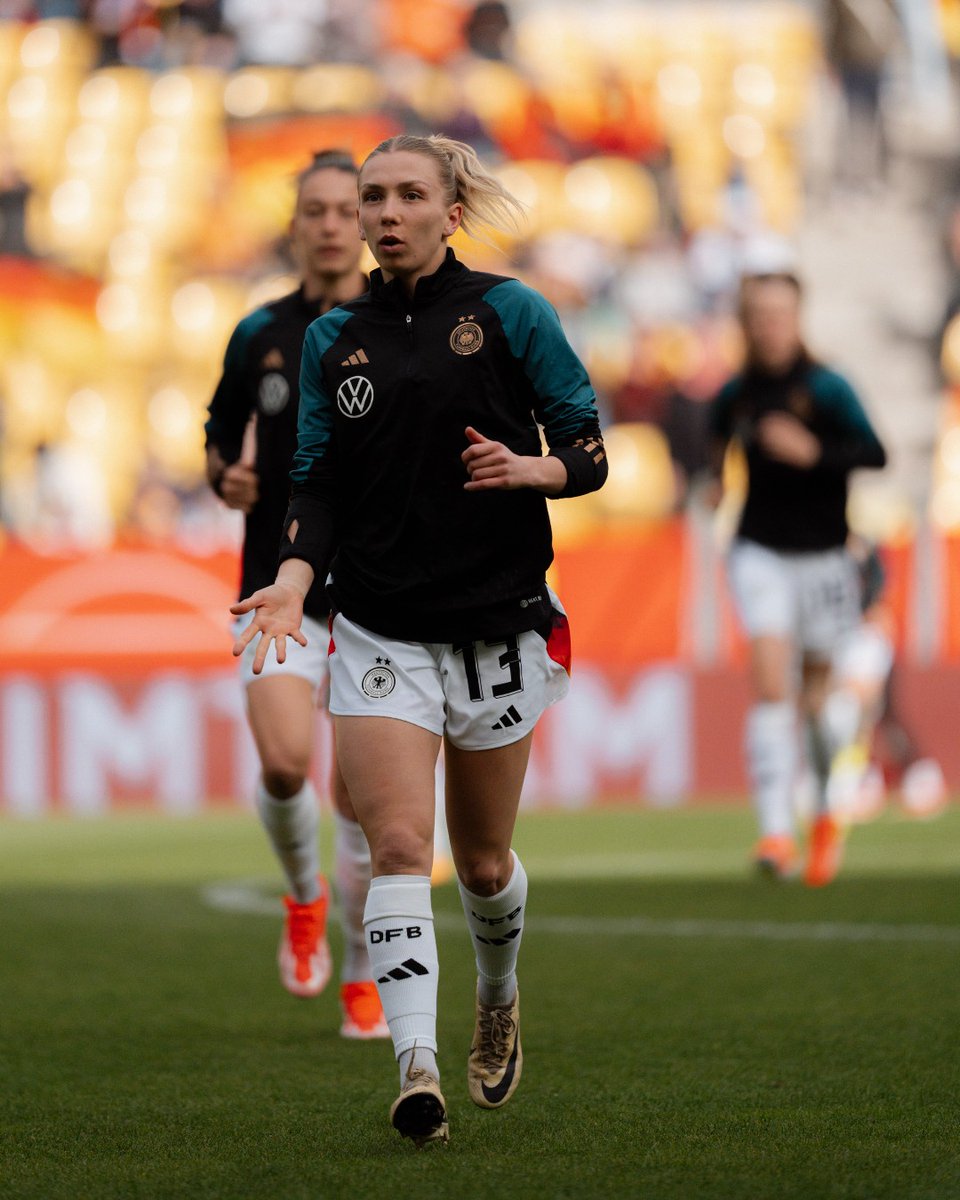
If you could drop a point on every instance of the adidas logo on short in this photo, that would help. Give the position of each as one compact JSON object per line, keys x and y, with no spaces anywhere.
{"x":406,"y":969}
{"x":355,"y":360}
{"x":510,"y":717}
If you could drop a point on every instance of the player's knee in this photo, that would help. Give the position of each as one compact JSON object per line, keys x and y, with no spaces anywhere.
{"x":399,"y":850}
{"x":484,"y":875}
{"x":284,"y":774}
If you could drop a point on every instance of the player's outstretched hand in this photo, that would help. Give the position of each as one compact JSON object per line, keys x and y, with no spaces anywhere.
{"x":278,"y":613}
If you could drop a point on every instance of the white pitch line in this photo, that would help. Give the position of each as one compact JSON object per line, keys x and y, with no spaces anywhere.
{"x":246,"y":896}
{"x":242,"y":896}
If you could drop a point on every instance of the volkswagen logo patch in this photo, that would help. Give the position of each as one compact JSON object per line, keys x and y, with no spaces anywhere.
{"x":355,"y":396}
{"x":274,"y":394}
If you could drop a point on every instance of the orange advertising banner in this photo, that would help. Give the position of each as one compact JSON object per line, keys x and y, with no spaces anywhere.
{"x":125,"y":607}
{"x":117,"y":685}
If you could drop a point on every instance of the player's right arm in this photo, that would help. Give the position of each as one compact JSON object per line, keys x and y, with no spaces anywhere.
{"x":308,"y":532}
{"x":720,"y":433}
{"x":230,"y":472}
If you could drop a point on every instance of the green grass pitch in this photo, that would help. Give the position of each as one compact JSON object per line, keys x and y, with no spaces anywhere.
{"x":689,"y":1031}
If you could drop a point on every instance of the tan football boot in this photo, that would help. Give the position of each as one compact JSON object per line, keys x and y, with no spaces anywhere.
{"x":420,"y":1111}
{"x":496,"y":1060}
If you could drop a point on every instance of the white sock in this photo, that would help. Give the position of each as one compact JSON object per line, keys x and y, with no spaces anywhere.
{"x":772,"y":754}
{"x":496,"y":926}
{"x":398,"y":920}
{"x":352,"y":878}
{"x":819,"y":756}
{"x":291,"y":826}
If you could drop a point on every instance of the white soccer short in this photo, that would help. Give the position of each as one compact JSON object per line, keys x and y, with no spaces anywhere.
{"x":309,"y":662}
{"x":482,"y":694}
{"x":811,"y":597}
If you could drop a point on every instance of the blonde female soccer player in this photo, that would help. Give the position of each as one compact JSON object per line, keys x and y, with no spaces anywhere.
{"x":419,"y":460}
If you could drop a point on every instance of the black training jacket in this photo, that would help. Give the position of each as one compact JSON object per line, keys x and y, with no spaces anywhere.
{"x":791,"y":508}
{"x":388,"y":385}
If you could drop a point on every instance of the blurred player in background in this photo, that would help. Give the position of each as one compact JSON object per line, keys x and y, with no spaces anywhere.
{"x":251,"y":441}
{"x":795,"y":587}
{"x":419,"y":438}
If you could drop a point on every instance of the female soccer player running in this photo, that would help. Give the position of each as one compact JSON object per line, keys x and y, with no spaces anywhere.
{"x":419,"y":459}
{"x":251,"y":441}
{"x":803,"y":432}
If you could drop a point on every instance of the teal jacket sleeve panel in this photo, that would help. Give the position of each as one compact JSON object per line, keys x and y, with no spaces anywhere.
{"x":310,"y":514}
{"x":566,"y":401}
{"x":566,"y":404}
{"x":853,"y":442}
{"x":315,"y":420}
{"x":234,"y":399}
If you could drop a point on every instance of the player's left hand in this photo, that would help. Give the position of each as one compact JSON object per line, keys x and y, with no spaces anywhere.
{"x":788,"y":440}
{"x":491,"y":465}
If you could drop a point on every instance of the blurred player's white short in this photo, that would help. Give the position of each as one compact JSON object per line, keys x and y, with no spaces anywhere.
{"x":811,"y":597}
{"x":309,"y":662}
{"x":482,"y":694}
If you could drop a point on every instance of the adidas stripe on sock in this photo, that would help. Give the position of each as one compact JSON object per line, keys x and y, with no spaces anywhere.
{"x":398,"y":922}
{"x":496,"y":926}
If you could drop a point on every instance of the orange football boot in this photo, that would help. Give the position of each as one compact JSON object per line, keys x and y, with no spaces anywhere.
{"x":304,"y":955}
{"x":825,"y":853}
{"x":776,"y":856}
{"x":362,"y":1011}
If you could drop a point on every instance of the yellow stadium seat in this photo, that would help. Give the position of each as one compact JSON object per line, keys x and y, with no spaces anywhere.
{"x":612,"y":199}
{"x":192,"y":96}
{"x":337,"y":87}
{"x":57,"y":47}
{"x":642,"y":481}
{"x":539,"y":185}
{"x":259,"y":91}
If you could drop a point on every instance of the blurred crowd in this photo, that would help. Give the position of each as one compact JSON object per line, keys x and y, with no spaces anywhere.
{"x":147,"y":151}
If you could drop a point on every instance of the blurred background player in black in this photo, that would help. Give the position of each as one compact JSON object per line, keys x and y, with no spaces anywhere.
{"x":251,"y":441}
{"x":802,"y":430}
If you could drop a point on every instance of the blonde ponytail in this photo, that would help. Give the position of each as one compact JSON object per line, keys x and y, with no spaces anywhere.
{"x":466,"y":181}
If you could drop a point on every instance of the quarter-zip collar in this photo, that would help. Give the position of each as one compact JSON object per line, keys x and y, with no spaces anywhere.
{"x":427,"y":289}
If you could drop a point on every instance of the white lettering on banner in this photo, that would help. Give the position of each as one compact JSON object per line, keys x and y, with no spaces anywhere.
{"x":223,"y":697}
{"x":24,"y":748}
{"x":85,"y":742}
{"x":160,"y":743}
{"x":646,"y":732}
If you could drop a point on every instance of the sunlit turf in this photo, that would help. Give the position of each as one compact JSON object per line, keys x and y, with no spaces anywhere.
{"x":675,"y":1046}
